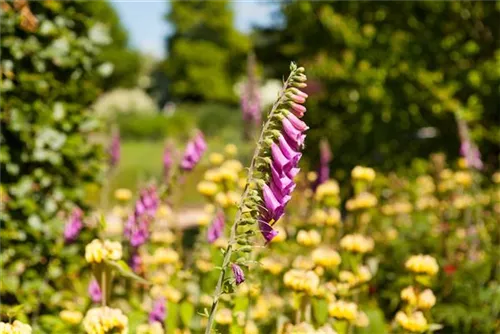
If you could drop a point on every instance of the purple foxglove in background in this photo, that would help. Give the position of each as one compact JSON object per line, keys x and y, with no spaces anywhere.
{"x":114,"y":149}
{"x":468,"y":149}
{"x":325,"y":156}
{"x":194,"y":151}
{"x":159,"y":311}
{"x":136,"y":262}
{"x":238,"y":273}
{"x":250,"y":99}
{"x":73,"y":226}
{"x":216,"y":230}
{"x":94,"y":291}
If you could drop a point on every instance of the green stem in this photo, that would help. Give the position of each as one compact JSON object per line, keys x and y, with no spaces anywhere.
{"x":104,"y":287}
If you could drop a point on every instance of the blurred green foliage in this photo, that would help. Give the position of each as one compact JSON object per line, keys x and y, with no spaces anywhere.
{"x":126,"y":62}
{"x":140,"y":126}
{"x":206,"y":53}
{"x":381,"y":71}
{"x":49,"y":79}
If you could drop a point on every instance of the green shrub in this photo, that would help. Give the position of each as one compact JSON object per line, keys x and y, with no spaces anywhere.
{"x":49,"y":78}
{"x":154,"y":126}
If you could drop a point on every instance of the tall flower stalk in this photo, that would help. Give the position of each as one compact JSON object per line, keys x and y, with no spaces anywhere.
{"x":250,"y":100}
{"x":270,"y":178}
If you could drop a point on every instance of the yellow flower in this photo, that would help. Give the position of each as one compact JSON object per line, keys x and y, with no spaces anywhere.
{"x":251,"y":328}
{"x":165,"y":236}
{"x":301,"y":280}
{"x":204,"y":220}
{"x":212,"y":175}
{"x":462,"y":163}
{"x":164,"y":211}
{"x":463,"y":178}
{"x":159,"y":277}
{"x":308,"y":238}
{"x":425,"y":184}
{"x":205,"y":300}
{"x":364,"y":274}
{"x":329,"y":188}
{"x":228,"y":174}
{"x":446,"y":174}
{"x":207,"y":188}
{"x":362,"y":201}
{"x":347,"y":277}
{"x":105,"y":320}
{"x":416,"y":322}
{"x":152,"y":328}
{"x":312,"y":176}
{"x":343,"y":310}
{"x":426,"y":203}
{"x":422,"y":264}
{"x":216,"y":158}
{"x":173,"y":295}
{"x":318,"y":217}
{"x":271,"y":265}
{"x":357,"y":243}
{"x":261,"y":309}
{"x":333,"y":218}
{"x":123,"y":194}
{"x":231,"y":150}
{"x":224,"y":317}
{"x":204,"y":266}
{"x":17,"y":327}
{"x":426,"y":299}
{"x":233,"y":165}
{"x":222,"y":200}
{"x":281,"y":236}
{"x":97,"y":251}
{"x":233,"y":198}
{"x":221,"y":242}
{"x":303,"y":262}
{"x":326,"y":257}
{"x":362,"y":320}
{"x":463,"y":201}
{"x":71,"y":317}
{"x":363,"y":174}
{"x":408,"y":295}
{"x":165,"y":256}
{"x":496,"y":177}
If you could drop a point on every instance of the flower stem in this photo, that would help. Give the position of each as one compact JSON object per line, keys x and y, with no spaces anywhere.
{"x":232,"y":238}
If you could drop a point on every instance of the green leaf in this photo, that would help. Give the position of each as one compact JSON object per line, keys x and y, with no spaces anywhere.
{"x":126,"y":271}
{"x":187,"y":312}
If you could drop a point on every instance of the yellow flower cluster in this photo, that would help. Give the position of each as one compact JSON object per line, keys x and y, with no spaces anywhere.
{"x":17,"y":327}
{"x":164,"y":255}
{"x":344,"y":310}
{"x":123,"y":194}
{"x":463,"y":201}
{"x":165,"y":236}
{"x":152,"y":328}
{"x":306,"y":328}
{"x":362,"y":275}
{"x":496,"y":178}
{"x":102,"y":320}
{"x":171,"y":294}
{"x":224,"y":317}
{"x":328,"y":192}
{"x":308,"y":238}
{"x":414,"y":322}
{"x":70,"y":317}
{"x":326,"y":257}
{"x":426,"y":203}
{"x":357,"y":243}
{"x":362,"y":201}
{"x":463,"y":178}
{"x":422,"y":264}
{"x":425,"y":185}
{"x":274,"y":266}
{"x":330,"y":217}
{"x":301,"y":280}
{"x":363,"y":174}
{"x":397,"y":208}
{"x":424,"y":300}
{"x":98,"y":251}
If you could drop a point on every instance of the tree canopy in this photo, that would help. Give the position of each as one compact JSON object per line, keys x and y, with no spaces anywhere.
{"x":385,"y":72}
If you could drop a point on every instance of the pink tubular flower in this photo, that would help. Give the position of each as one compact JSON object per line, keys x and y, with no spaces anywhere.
{"x":216,"y":230}
{"x":137,"y":226}
{"x":159,"y":311}
{"x":285,"y":156}
{"x":73,"y":226}
{"x":95,"y":291}
{"x":325,"y":157}
{"x":114,"y":149}
{"x":194,"y":151}
{"x":238,"y":273}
